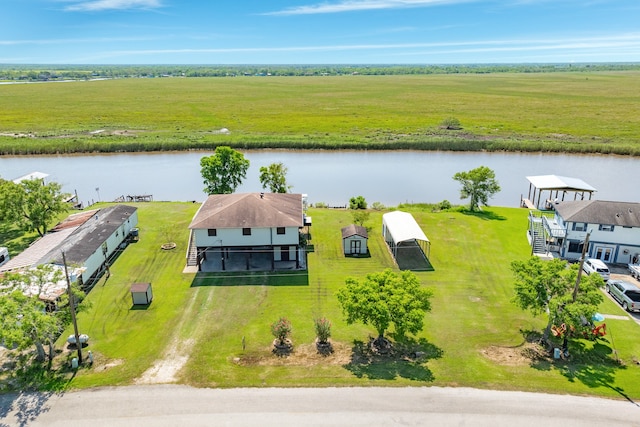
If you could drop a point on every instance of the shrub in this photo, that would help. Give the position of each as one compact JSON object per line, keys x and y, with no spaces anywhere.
{"x":377,"y":206}
{"x":451,"y":123}
{"x":323,"y":329}
{"x":281,"y":329}
{"x":445,"y":205}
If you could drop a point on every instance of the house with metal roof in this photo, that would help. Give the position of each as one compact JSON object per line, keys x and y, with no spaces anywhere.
{"x":95,"y":241}
{"x":247,"y":231}
{"x":613,"y":227}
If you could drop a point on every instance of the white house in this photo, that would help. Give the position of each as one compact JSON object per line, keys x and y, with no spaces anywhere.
{"x":90,"y":245}
{"x":248,"y":231}
{"x":354,"y":240}
{"x":613,"y":227}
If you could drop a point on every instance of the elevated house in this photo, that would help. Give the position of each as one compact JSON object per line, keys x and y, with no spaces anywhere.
{"x":248,"y":231}
{"x":613,"y":227}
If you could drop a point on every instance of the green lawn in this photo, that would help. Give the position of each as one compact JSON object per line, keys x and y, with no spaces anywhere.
{"x":210,"y":317}
{"x":565,"y":111}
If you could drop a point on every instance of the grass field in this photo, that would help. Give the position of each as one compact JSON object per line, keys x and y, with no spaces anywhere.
{"x":213,"y":331}
{"x":573,"y":112}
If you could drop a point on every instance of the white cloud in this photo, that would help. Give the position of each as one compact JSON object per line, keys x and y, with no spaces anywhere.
{"x":99,"y":5}
{"x":359,"y":5}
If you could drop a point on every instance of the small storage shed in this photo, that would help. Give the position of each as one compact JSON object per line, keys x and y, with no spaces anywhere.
{"x":354,"y":240}
{"x":141,"y":293}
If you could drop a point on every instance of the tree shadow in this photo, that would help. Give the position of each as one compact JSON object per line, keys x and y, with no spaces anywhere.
{"x":405,"y":359}
{"x":484,"y":215}
{"x":25,"y":407}
{"x":30,"y":385}
{"x":594,"y":364}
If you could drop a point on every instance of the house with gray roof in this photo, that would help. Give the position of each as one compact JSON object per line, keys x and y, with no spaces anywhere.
{"x":613,"y":227}
{"x":91,"y":244}
{"x":247,"y":231}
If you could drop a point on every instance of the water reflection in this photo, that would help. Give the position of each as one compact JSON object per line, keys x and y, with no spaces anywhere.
{"x":329,"y":176}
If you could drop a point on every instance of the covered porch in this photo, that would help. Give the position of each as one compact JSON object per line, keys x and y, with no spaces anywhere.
{"x":559,"y":188}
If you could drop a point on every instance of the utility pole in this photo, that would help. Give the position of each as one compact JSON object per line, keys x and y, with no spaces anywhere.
{"x":72,"y":308}
{"x":584,"y":251}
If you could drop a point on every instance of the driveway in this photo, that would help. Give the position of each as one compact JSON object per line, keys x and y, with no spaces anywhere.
{"x":173,"y":405}
{"x":621,"y":273}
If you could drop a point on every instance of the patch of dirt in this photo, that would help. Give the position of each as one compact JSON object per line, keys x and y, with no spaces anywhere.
{"x":300,"y":355}
{"x":164,"y":370}
{"x":524,"y":354}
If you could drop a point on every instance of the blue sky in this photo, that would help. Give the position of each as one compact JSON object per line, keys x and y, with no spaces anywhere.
{"x":318,"y":31}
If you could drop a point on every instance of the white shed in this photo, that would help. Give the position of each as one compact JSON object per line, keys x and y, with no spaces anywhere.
{"x":141,"y":293}
{"x":354,"y":240}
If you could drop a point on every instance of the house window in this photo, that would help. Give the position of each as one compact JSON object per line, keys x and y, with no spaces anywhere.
{"x":246,"y":232}
{"x":579,"y":226}
{"x":212,"y":232}
{"x":280,"y":230}
{"x":606,"y":227}
{"x":576,"y":247}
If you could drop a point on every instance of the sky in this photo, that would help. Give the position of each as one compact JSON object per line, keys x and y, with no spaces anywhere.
{"x":319,"y":31}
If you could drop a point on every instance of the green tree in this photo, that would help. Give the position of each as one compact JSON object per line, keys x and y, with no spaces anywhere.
{"x":31,"y":204}
{"x":478,"y":184}
{"x":548,"y":287}
{"x":25,"y":323}
{"x":386,"y":299}
{"x":274,"y":178}
{"x":357,"y":202}
{"x":223,"y":171}
{"x":360,"y":217}
{"x":25,"y":319}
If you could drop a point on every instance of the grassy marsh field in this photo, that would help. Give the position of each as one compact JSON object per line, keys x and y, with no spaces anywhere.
{"x":195,"y":329}
{"x":571,"y":112}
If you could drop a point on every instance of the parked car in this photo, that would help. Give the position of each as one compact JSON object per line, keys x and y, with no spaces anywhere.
{"x":592,"y":265}
{"x":627,"y":294}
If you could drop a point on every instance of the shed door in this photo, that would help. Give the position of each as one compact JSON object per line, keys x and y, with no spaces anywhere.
{"x":355,"y":246}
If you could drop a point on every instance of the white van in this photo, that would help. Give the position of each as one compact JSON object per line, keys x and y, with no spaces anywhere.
{"x":4,"y":255}
{"x":592,"y":265}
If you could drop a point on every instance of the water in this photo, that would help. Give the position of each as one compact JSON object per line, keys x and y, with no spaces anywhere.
{"x":331,"y":177}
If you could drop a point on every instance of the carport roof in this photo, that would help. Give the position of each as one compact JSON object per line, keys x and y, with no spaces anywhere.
{"x":556,"y":182}
{"x":403,"y":227}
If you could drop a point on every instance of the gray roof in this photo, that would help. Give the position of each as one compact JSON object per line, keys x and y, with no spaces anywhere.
{"x":90,"y":236}
{"x":33,"y":254}
{"x":354,"y":230}
{"x":247,"y":210}
{"x":625,"y":214}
